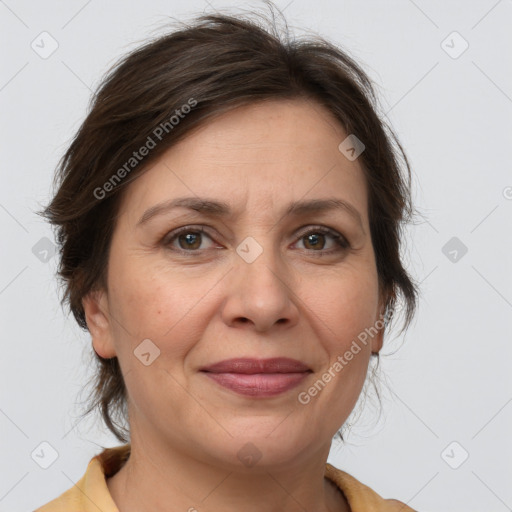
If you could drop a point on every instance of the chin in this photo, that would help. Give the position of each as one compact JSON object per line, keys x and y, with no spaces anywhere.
{"x":266,"y":442}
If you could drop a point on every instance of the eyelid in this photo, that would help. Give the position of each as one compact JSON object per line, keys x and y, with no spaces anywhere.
{"x":339,"y":239}
{"x":318,"y":228}
{"x":173,"y":234}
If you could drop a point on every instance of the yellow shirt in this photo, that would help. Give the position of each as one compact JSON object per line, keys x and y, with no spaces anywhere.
{"x":91,"y":493}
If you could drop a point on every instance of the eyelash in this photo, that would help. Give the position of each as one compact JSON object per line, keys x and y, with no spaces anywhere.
{"x":340,"y":240}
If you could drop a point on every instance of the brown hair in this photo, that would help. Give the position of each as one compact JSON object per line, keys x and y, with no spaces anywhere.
{"x":216,"y":63}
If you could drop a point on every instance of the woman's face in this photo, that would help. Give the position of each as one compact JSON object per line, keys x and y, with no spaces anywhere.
{"x":190,"y":286}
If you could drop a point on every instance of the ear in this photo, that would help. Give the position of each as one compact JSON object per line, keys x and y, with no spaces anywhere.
{"x":95,"y":305}
{"x":378,"y":338}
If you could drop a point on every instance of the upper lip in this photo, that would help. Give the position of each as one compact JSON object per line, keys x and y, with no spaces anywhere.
{"x":251,"y":366}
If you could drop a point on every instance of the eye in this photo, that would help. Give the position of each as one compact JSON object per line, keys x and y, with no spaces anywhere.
{"x":187,"y":239}
{"x":316,"y":238}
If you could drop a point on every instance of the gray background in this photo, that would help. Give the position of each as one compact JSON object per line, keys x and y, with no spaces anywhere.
{"x":447,"y":380}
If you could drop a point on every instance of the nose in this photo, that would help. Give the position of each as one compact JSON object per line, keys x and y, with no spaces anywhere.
{"x":260,"y":295}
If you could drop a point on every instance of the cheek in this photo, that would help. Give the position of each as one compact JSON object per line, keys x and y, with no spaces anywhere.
{"x":150,"y":305}
{"x":345,"y":303}
{"x":345,"y":309}
{"x":153,"y":303}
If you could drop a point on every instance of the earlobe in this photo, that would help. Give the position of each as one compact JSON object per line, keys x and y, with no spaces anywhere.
{"x":378,"y":339}
{"x":98,"y":322}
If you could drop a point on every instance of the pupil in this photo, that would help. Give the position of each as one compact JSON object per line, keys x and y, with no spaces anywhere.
{"x":313,"y":240}
{"x":191,"y":240}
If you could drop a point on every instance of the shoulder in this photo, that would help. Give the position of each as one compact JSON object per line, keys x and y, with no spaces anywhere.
{"x":69,"y":500}
{"x":360,"y":497}
{"x":91,"y":493}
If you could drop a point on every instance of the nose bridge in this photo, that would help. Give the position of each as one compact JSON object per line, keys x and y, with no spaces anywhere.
{"x":259,"y":291}
{"x":258,"y":265}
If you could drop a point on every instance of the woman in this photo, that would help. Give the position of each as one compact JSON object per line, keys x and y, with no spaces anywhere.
{"x":229,"y":217}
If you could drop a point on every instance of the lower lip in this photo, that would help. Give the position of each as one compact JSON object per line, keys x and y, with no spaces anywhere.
{"x":258,"y":384}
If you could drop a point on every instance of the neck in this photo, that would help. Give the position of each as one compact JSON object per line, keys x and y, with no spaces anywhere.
{"x":156,"y":480}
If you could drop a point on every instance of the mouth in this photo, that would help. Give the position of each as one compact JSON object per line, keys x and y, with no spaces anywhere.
{"x":258,"y":377}
{"x":251,"y":366}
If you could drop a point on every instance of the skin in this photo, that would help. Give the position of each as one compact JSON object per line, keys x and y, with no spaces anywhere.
{"x":203,"y":307}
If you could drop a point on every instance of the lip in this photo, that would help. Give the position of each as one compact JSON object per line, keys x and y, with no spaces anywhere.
{"x":250,"y":366}
{"x":258,"y":377}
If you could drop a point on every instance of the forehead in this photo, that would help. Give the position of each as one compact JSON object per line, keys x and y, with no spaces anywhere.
{"x":259,"y":155}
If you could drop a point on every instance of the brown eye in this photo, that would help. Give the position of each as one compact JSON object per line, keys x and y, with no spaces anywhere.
{"x":324,"y":241}
{"x":314,"y":241}
{"x":188,"y":240}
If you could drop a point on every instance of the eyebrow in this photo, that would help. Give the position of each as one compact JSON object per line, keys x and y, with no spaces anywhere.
{"x":219,"y":209}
